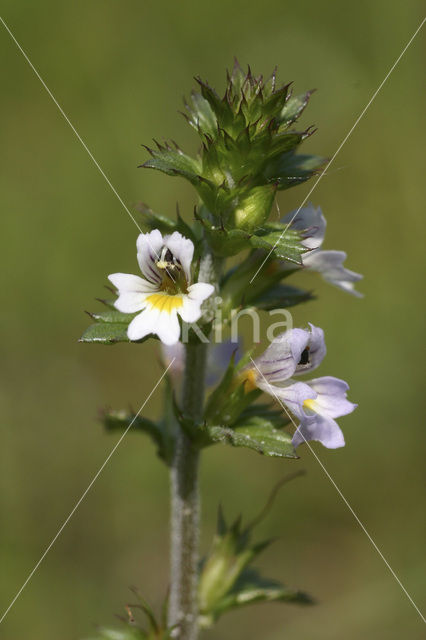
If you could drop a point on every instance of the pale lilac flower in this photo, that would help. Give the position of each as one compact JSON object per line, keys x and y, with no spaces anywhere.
{"x":315,"y":402}
{"x":165,"y":291}
{"x":330,"y":265}
{"x":317,"y":417}
{"x":311,"y":222}
{"x":291,"y":353}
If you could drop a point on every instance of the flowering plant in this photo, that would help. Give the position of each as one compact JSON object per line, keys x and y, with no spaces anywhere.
{"x":188,"y":297}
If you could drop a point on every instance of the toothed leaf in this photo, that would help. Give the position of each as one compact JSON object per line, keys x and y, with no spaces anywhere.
{"x":251,"y":587}
{"x":201,"y":115}
{"x":105,"y":333}
{"x":121,"y":420}
{"x":294,"y":107}
{"x":290,"y":169}
{"x":109,"y":326}
{"x":174,"y":163}
{"x":280,"y":241}
{"x":256,"y":434}
{"x":113,"y":316}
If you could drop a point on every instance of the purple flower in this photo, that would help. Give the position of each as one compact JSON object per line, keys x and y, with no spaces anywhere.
{"x":311,"y":222}
{"x":315,"y":403}
{"x":291,"y":353}
{"x":317,"y":417}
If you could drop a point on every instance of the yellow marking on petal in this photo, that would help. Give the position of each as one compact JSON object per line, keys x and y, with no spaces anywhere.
{"x":165,"y":302}
{"x":310,"y":404}
{"x":248,"y":378}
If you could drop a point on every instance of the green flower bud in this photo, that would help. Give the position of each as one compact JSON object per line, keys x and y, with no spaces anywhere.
{"x":230,"y":554}
{"x":227,"y":579}
{"x":248,"y":151}
{"x":252,"y":211}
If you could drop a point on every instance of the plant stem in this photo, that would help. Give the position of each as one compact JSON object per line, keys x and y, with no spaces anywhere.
{"x":185,"y":501}
{"x":185,"y":507}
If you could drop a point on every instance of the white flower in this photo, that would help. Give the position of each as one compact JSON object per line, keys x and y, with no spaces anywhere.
{"x":165,"y":290}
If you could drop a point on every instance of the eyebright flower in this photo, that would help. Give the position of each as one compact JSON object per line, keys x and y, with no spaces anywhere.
{"x":312,"y":223}
{"x":165,"y":291}
{"x":315,"y":403}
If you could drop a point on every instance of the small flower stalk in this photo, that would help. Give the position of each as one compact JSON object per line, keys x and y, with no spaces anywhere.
{"x":188,"y":295}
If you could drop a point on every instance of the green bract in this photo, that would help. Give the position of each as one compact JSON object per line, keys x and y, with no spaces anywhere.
{"x":228,"y":581}
{"x":149,"y":629}
{"x":109,"y":326}
{"x":248,"y":152}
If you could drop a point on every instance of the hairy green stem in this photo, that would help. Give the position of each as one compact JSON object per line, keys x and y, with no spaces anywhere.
{"x":185,"y":501}
{"x":185,"y":505}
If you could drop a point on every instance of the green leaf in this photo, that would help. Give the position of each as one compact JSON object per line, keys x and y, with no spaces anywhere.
{"x":217,"y":396}
{"x":174,"y":163}
{"x":227,"y":579}
{"x":106,"y":333}
{"x":153,"y":220}
{"x":251,"y":587}
{"x":226,"y":118}
{"x":285,"y":142}
{"x":289,"y":169}
{"x":231,"y":552}
{"x":112,"y":316}
{"x":266,"y":412}
{"x":281,"y":241}
{"x":186,"y":230}
{"x":228,"y":400}
{"x":227,"y":242}
{"x":275,"y":102}
{"x":281,"y":296}
{"x":256,"y":434}
{"x":201,"y":115}
{"x":109,"y":326}
{"x":158,"y":432}
{"x":293,"y":108}
{"x":144,"y":606}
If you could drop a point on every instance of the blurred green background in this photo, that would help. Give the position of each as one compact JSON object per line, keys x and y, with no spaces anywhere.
{"x":119,"y":70}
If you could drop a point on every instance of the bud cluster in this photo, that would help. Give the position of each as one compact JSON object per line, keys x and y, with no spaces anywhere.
{"x":248,"y":152}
